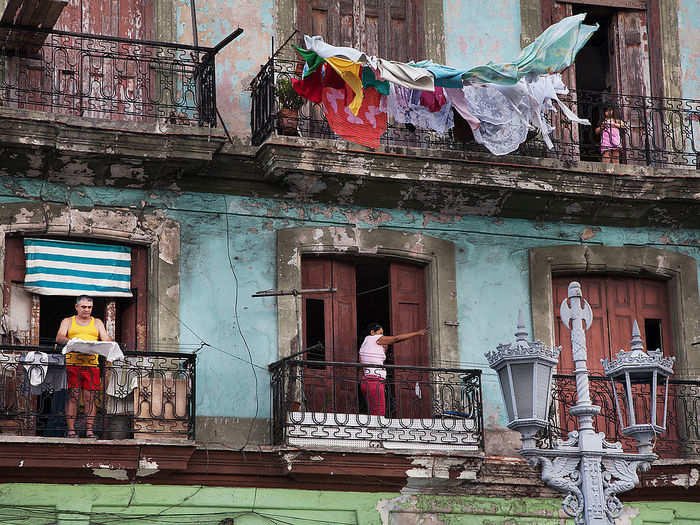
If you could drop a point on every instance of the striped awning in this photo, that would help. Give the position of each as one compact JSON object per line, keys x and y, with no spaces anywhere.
{"x":76,"y":268}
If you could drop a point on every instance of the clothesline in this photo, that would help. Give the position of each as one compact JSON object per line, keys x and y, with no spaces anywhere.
{"x":500,"y":102}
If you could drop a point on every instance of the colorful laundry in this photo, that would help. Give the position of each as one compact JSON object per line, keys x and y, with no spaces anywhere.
{"x":404,"y":106}
{"x":309,"y":88}
{"x":433,"y":100}
{"x":369,"y":80}
{"x":500,"y":102}
{"x":366,"y":127}
{"x":403,"y":75}
{"x":350,"y":72}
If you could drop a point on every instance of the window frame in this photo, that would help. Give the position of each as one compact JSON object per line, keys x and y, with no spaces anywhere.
{"x":679,"y":271}
{"x":437,"y":255}
{"x":433,"y":26}
{"x":161,"y":236}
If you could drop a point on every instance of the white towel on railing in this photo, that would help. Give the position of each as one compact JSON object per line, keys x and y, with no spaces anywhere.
{"x":109,"y":349}
{"x":36,"y":365}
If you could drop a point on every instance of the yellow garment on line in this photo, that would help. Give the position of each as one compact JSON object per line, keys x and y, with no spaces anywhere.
{"x":86,"y":333}
{"x":350,"y":72}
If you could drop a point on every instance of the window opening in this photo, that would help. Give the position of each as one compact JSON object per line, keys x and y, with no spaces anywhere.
{"x":315,"y":329}
{"x":372,"y":285}
{"x":594,"y":73}
{"x":653,"y":334}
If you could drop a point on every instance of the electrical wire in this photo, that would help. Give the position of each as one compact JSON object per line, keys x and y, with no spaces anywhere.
{"x":240,"y":330}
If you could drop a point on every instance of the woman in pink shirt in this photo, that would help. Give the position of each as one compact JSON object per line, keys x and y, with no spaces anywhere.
{"x":373,"y":352}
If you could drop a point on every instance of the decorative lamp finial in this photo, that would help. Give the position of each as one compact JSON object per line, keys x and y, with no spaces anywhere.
{"x":636,"y":343}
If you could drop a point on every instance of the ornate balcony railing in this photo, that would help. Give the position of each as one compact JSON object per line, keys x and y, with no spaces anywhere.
{"x":661,"y":132}
{"x":320,"y":403}
{"x":147,"y":395}
{"x":107,"y":77}
{"x":682,"y":436}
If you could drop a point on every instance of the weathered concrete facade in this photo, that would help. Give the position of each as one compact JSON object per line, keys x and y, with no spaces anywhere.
{"x":222,"y":221}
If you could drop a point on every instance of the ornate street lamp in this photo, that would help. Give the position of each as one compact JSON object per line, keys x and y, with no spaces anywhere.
{"x":590,"y":470}
{"x":642,"y":377}
{"x":524,"y":371}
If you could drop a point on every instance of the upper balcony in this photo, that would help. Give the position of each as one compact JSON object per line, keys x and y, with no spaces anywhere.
{"x":105,"y":77}
{"x":73,"y":99}
{"x":661,"y":132}
{"x":654,"y":184}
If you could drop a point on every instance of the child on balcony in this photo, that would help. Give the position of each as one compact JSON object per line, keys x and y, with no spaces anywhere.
{"x":609,"y":131}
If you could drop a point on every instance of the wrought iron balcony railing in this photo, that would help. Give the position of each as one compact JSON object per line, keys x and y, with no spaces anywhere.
{"x":107,"y":77}
{"x":320,"y":403}
{"x":682,"y":436}
{"x":147,"y":395}
{"x":663,"y":132}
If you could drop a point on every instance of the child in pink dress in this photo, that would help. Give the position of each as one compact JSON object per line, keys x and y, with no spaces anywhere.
{"x":610,"y":142}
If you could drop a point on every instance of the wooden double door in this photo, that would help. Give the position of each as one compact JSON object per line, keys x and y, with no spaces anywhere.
{"x":332,"y":317}
{"x":616,"y":302}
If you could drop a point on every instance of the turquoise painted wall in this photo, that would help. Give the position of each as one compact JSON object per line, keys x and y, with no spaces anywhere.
{"x":492,"y":276}
{"x":689,"y":36}
{"x":477,"y":32}
{"x":241,"y":60}
{"x":43,"y":504}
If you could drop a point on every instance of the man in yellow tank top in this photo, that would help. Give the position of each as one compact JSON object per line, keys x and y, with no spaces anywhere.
{"x":82,"y":369}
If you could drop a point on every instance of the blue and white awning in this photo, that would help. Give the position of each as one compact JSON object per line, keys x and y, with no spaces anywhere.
{"x":76,"y":268}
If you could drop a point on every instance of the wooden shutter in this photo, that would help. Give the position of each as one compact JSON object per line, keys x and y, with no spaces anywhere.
{"x":133,"y":313}
{"x":389,"y":29}
{"x":332,"y":388}
{"x":412,"y":390}
{"x":616,"y":303}
{"x":131,"y":19}
{"x":596,"y":337}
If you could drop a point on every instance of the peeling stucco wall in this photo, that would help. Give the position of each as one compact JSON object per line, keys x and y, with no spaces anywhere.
{"x":240,"y":61}
{"x":492,"y":35}
{"x":689,"y":36}
{"x":491,"y":260}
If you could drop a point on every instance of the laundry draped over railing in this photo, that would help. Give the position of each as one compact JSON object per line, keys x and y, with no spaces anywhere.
{"x":499,"y":102}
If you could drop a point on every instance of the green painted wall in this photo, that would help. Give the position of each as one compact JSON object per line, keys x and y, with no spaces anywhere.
{"x":40,"y":504}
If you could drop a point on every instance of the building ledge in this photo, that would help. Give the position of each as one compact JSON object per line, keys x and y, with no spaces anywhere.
{"x":459,"y":183}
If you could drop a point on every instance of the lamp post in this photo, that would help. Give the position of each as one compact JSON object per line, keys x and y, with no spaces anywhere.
{"x":589,"y":469}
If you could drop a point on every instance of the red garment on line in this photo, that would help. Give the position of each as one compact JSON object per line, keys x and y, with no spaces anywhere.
{"x":367,"y":127}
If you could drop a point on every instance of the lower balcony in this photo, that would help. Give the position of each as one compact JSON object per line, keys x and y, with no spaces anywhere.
{"x":319,"y":404}
{"x":147,"y":395}
{"x":682,"y":436}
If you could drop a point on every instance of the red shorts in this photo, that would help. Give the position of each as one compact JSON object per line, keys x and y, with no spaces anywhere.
{"x":85,"y":377}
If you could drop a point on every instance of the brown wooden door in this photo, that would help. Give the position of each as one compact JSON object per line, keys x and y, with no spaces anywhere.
{"x":616,"y":303}
{"x":132,"y":314}
{"x":331,"y":388}
{"x":90,"y":80}
{"x":389,"y":29}
{"x":412,"y":393}
{"x":631,"y":75}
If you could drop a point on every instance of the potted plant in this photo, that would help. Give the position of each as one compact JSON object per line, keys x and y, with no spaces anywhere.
{"x":289,"y":102}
